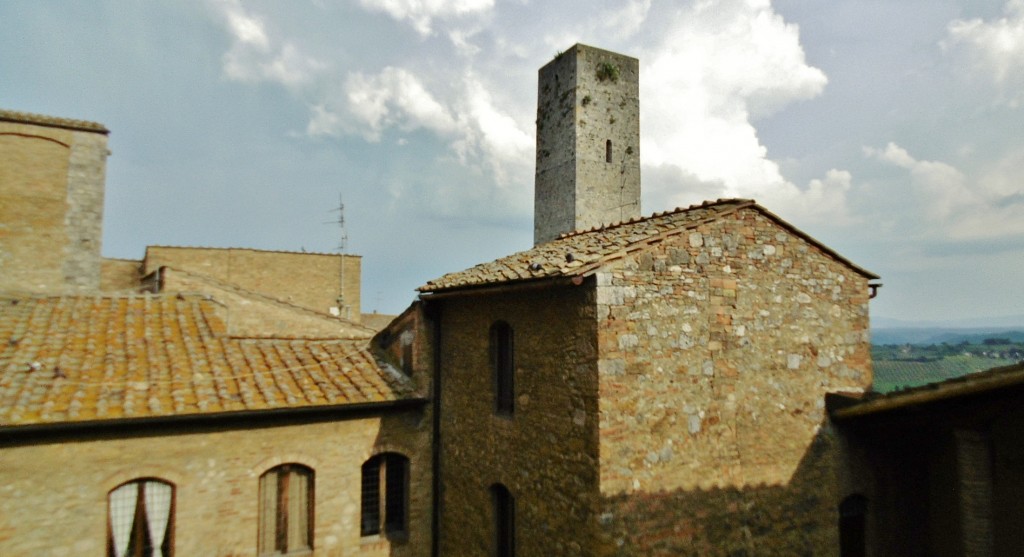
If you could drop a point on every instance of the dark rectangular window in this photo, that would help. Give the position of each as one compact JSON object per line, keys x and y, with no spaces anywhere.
{"x":503,"y":364}
{"x":385,"y":487}
{"x":396,"y":479}
{"x":370,"y":521}
{"x":504,"y":521}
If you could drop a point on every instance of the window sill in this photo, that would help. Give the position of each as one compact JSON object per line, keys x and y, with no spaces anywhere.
{"x":384,"y":540}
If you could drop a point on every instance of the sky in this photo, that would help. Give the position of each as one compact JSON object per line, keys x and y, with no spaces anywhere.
{"x":891,"y":130}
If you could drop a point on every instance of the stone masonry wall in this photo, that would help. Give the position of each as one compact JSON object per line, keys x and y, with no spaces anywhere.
{"x":310,"y":280}
{"x":718,"y":347}
{"x":51,"y":188}
{"x":546,"y":453}
{"x":608,"y":110}
{"x":53,"y":497}
{"x":87,"y":174}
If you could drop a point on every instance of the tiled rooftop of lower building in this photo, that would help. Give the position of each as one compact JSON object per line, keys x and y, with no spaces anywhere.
{"x":88,"y":358}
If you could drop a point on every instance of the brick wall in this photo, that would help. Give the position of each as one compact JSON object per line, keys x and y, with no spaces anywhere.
{"x":53,"y":497}
{"x":546,"y":453}
{"x":310,"y":280}
{"x":51,"y":187}
{"x":120,"y":275}
{"x":718,"y":347}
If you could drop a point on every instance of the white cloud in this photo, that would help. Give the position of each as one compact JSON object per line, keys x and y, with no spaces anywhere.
{"x":421,"y":14}
{"x":709,"y":70}
{"x":715,"y":69}
{"x":253,"y":57}
{"x":995,"y":48}
{"x":960,"y":207}
{"x":626,"y":21}
{"x":395,"y":97}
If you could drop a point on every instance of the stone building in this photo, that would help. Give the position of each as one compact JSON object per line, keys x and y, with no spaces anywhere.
{"x":938,"y":467}
{"x":135,"y":423}
{"x":627,"y":386}
{"x":179,"y":404}
{"x":653,"y":387}
{"x":649,"y":386}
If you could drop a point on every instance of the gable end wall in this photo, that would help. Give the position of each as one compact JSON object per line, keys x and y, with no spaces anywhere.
{"x":717,"y":348}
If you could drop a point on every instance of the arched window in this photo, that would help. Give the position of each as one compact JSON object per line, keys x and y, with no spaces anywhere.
{"x":852,"y":526}
{"x":503,"y":368}
{"x":504,"y":512}
{"x":608,"y":151}
{"x":385,"y":487}
{"x":286,"y":509}
{"x":140,"y":519}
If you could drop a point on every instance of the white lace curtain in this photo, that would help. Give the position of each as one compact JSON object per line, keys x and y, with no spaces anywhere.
{"x":122,"y":516}
{"x":158,"y":513}
{"x":156,"y":502}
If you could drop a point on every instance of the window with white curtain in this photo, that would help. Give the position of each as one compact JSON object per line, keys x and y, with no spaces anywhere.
{"x":286,"y":510}
{"x":141,"y":519}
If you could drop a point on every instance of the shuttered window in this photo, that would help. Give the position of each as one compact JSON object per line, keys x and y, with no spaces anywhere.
{"x":286,"y":510}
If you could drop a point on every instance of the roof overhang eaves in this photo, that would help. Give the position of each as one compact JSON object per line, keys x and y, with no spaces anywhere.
{"x":240,"y":418}
{"x":845,"y":408}
{"x":575,"y":278}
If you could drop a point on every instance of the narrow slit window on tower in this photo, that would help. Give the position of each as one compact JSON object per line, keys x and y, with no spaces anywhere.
{"x":608,"y":151}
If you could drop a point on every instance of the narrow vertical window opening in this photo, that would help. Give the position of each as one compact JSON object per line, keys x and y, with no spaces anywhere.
{"x":852,"y":526}
{"x":503,"y":368}
{"x":504,"y":512}
{"x":608,"y":151}
{"x":385,"y":494}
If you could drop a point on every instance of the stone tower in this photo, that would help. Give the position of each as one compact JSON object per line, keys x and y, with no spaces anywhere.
{"x":588,"y":142}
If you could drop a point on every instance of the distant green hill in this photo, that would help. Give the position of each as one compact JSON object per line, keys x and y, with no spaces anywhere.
{"x":894,"y":375}
{"x":937,"y":335}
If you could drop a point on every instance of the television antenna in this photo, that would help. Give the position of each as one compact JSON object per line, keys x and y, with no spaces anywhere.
{"x":343,"y":309}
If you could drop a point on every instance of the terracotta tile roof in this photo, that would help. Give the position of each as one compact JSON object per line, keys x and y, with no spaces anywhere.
{"x":581,"y":253}
{"x":86,"y":358}
{"x":849,"y":406}
{"x":51,"y":121}
{"x":356,"y":331}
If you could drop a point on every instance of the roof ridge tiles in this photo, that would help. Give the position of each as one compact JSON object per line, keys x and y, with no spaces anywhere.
{"x":590,"y":249}
{"x":51,"y":121}
{"x":226,"y":248}
{"x":634,"y":220}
